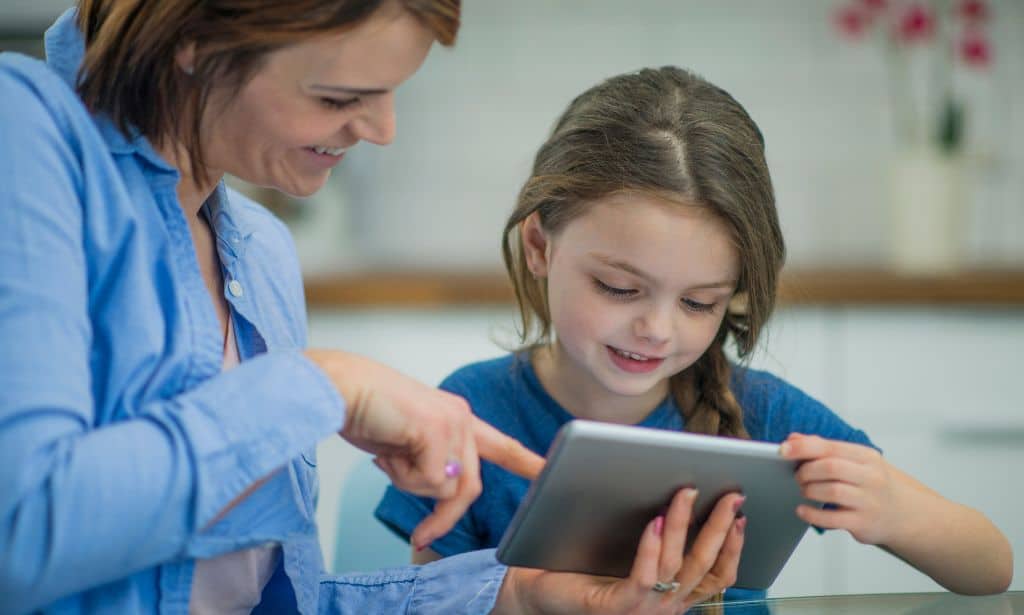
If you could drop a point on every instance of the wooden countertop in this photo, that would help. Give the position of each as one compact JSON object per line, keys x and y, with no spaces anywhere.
{"x":822,"y":287}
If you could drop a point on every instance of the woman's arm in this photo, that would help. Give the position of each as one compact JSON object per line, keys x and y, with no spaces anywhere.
{"x":84,"y":501}
{"x":881,"y":505}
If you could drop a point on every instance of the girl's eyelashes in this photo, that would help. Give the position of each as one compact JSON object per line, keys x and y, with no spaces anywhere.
{"x":618,"y":293}
{"x":626,"y":293}
{"x":695,"y":306}
{"x":336,"y":104}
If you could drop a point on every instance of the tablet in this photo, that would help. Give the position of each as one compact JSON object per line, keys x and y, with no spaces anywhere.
{"x":604,"y":483}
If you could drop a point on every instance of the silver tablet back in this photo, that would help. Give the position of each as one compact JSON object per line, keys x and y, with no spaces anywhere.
{"x":603,"y":483}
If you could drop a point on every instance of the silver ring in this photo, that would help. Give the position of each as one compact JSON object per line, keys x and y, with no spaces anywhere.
{"x":663,"y":586}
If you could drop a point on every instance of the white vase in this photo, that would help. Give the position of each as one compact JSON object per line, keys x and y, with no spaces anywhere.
{"x":928,"y":192}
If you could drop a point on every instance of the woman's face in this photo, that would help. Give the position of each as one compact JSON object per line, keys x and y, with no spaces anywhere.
{"x":310,"y":102}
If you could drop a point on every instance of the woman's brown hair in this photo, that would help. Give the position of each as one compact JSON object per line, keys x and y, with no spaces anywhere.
{"x":129,"y":71}
{"x":670,"y":134}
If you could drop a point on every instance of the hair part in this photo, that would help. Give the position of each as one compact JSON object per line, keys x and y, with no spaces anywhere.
{"x":671,"y":134}
{"x":130,"y":71}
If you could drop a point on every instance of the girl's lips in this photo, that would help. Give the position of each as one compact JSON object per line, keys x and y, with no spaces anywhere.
{"x":633,"y":366}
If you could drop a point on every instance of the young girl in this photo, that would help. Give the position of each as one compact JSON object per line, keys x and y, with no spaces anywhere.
{"x":646,"y":239}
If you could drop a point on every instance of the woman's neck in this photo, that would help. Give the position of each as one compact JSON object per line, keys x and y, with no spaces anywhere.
{"x":191,"y":194}
{"x":585,"y":398}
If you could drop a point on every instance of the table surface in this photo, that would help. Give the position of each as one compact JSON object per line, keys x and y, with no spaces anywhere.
{"x":890,"y":604}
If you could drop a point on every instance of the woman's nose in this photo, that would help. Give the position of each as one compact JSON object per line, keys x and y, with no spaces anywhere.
{"x":377,"y":123}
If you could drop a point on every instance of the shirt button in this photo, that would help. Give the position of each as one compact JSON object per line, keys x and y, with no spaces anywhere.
{"x":235,"y":288}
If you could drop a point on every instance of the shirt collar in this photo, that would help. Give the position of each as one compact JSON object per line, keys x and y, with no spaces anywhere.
{"x":65,"y":49}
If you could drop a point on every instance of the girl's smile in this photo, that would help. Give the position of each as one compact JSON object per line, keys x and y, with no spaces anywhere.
{"x":633,"y":362}
{"x":637,"y":289}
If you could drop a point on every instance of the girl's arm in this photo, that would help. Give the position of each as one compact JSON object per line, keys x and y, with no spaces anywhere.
{"x":878,"y":504}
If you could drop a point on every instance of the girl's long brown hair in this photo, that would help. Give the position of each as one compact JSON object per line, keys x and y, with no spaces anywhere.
{"x":668,"y":133}
{"x":129,"y":71}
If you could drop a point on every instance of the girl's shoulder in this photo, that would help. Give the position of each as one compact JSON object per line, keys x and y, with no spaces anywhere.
{"x":773,"y":408}
{"x":497,"y":374}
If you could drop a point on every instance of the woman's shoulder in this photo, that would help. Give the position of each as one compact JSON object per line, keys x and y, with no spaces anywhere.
{"x":31,"y":89}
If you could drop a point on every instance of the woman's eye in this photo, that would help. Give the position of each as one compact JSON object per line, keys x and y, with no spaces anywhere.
{"x":336,"y":104}
{"x":695,"y":306}
{"x":613,"y":291}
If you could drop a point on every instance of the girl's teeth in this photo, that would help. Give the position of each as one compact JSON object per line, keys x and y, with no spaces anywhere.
{"x":631,"y":355}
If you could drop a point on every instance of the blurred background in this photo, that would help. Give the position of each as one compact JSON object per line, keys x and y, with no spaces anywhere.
{"x":895,"y":138}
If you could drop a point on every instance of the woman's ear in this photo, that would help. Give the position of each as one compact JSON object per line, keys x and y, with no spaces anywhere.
{"x":535,"y":245}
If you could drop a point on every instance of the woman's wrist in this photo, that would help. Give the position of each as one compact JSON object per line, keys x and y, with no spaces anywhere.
{"x":340,"y":368}
{"x":512,"y":597}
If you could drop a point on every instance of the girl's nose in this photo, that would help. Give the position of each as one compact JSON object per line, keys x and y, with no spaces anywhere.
{"x":377,"y":123}
{"x":654,"y":325}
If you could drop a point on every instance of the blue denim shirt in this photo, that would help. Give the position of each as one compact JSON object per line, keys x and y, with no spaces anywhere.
{"x":120,"y":438}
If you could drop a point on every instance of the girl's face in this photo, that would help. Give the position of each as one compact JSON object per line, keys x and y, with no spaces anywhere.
{"x":309,"y":102}
{"x":637,"y":289}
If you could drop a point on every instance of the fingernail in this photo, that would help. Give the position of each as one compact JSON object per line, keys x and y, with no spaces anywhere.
{"x":452,"y":469}
{"x":659,"y":525}
{"x":690,"y":493}
{"x":784,"y":449}
{"x":741,"y":524}
{"x":736,"y":505}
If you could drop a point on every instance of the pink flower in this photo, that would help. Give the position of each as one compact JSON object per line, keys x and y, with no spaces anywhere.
{"x":973,"y":10}
{"x":851,"y":21}
{"x":975,"y":50}
{"x":917,"y":24}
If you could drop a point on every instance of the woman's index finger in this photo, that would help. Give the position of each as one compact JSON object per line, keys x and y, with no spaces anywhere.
{"x":505,"y":451}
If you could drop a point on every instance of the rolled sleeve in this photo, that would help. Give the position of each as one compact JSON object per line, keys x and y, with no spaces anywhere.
{"x":464,"y":584}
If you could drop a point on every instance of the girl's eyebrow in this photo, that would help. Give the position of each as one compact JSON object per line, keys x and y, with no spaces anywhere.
{"x":628,"y":268}
{"x":342,"y":89}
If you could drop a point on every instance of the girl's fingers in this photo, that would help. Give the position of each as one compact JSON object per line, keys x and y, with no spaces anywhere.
{"x":834,"y":492}
{"x":825,"y":518}
{"x":832,"y":469}
{"x":677,"y":522}
{"x":813,"y":447}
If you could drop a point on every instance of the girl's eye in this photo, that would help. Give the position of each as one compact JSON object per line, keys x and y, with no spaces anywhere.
{"x":694,"y":306}
{"x":334,"y":104}
{"x":613,"y":291}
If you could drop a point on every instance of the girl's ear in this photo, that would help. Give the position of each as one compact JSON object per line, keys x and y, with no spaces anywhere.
{"x":185,"y":57}
{"x":535,"y":245}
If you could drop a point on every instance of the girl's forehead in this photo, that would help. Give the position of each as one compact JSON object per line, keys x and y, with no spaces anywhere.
{"x":654,"y":236}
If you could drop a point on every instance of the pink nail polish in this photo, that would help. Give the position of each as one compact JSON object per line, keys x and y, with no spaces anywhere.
{"x":736,"y":505}
{"x":741,"y":525}
{"x":659,"y":525}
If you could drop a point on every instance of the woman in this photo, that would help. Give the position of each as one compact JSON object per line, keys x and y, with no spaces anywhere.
{"x":159,"y":416}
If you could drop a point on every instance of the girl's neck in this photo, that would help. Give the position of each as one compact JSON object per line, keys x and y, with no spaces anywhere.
{"x":583,"y":397}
